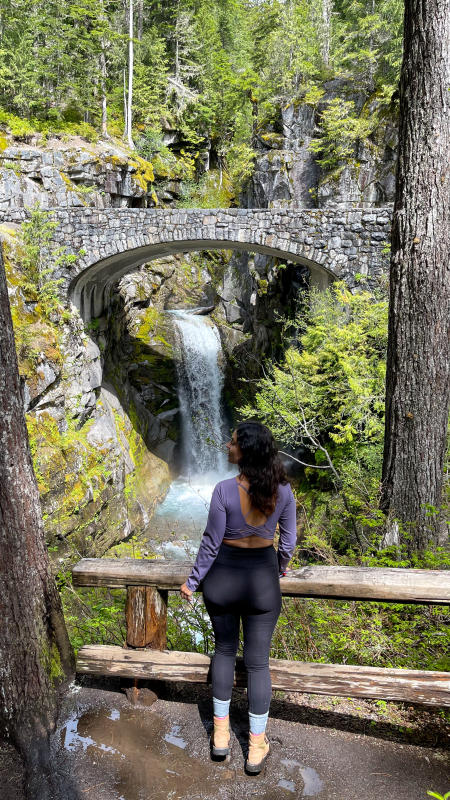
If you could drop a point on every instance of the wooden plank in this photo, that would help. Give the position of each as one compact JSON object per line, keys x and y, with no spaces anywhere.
{"x":416,"y":686}
{"x":345,"y":583}
{"x":146,"y":617}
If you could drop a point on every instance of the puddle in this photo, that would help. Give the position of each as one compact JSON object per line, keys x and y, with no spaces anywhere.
{"x":122,"y":752}
{"x":312,"y":783}
{"x":73,"y":739}
{"x":173,"y":737}
{"x":285,"y":784}
{"x":136,"y":753}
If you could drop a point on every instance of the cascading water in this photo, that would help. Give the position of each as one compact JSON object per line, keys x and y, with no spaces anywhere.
{"x":180,"y":519}
{"x":200,"y":383}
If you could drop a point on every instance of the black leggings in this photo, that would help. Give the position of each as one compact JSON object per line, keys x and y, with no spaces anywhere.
{"x":243,"y":582}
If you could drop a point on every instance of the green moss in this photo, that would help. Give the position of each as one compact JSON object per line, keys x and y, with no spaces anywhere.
{"x":117,"y":161}
{"x":150,"y":328}
{"x":274,"y":139}
{"x":34,"y":335}
{"x":3,"y":141}
{"x":263,"y":286}
{"x":147,"y":323}
{"x":86,"y":468}
{"x":143,"y":174}
{"x":51,"y":661}
{"x":167,"y":165}
{"x":72,"y":187}
{"x":136,"y":448}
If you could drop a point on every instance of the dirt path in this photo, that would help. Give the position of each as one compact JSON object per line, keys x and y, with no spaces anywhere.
{"x":113,"y":750}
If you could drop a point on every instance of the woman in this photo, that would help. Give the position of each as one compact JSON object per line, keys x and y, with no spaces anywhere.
{"x":239,"y":571}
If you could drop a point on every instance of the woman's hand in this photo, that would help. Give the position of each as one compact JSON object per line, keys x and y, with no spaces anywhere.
{"x":186,"y":593}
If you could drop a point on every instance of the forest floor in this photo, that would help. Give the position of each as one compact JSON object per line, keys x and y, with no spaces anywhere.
{"x":108,"y":748}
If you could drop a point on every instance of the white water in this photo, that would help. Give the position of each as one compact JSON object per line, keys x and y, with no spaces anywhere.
{"x":179,"y":521}
{"x":200,"y":383}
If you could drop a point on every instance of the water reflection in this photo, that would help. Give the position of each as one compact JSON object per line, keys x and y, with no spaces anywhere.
{"x":312,"y":784}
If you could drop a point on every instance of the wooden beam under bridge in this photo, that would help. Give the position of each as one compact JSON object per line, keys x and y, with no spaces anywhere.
{"x":333,"y":582}
{"x":408,"y":685}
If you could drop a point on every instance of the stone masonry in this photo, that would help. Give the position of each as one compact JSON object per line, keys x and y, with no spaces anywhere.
{"x":332,"y":243}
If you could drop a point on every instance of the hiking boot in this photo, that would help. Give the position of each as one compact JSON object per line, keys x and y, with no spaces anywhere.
{"x":258,"y":750}
{"x":220,"y":739}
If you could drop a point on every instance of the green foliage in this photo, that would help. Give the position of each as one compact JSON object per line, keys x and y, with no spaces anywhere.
{"x":212,"y":191}
{"x":25,"y":128}
{"x":333,"y":380}
{"x":214,"y":73}
{"x":367,"y":41}
{"x":327,"y":399}
{"x":92,"y":616}
{"x":16,"y":125}
{"x":341,"y":128}
{"x":150,"y":79}
{"x":240,"y":159}
{"x":288,"y":39}
{"x":40,"y":262}
{"x":362,"y":633}
{"x":188,"y":625}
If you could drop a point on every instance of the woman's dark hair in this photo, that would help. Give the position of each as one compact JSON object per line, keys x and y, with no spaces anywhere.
{"x":261,"y":464}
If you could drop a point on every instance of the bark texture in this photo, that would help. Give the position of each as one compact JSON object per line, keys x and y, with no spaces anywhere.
{"x":417,"y":381}
{"x":35,"y":653}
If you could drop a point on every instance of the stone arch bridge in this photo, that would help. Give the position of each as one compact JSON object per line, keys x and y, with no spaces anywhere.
{"x":333,"y":243}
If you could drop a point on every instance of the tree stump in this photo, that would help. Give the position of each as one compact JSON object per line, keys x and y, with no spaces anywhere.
{"x":146,"y":617}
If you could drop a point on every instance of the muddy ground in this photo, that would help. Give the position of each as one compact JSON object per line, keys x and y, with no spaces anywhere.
{"x":108,"y":748}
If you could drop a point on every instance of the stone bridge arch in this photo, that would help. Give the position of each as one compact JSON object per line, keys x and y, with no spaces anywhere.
{"x":332,"y":243}
{"x":90,"y":290}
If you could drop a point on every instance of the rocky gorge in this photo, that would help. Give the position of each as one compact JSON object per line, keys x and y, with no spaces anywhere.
{"x":101,"y":398}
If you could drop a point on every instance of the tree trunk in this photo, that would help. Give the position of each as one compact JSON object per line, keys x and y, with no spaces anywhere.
{"x":326,"y":30}
{"x":140,"y":20}
{"x":417,"y":381}
{"x":125,"y":104}
{"x":103,"y":73}
{"x":130,"y":75}
{"x":35,"y":653}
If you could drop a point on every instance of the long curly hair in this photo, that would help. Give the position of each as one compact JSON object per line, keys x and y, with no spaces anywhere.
{"x":261,"y":464}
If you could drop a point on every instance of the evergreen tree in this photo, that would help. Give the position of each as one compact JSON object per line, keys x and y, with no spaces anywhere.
{"x":417,"y":380}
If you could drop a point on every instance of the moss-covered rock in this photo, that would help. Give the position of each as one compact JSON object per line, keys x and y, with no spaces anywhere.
{"x":98,"y":483}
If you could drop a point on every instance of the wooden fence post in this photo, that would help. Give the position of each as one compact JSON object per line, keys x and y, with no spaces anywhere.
{"x":146,"y":617}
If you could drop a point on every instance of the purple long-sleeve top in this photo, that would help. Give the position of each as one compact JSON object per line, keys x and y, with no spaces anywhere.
{"x":226,"y":521}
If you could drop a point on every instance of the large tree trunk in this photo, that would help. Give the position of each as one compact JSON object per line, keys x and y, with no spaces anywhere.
{"x":35,"y":653}
{"x":417,"y":381}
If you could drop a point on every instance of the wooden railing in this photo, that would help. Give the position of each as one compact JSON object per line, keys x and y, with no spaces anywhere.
{"x":148,"y":582}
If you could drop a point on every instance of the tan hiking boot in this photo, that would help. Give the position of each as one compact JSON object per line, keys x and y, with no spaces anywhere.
{"x":220,"y":739}
{"x":258,"y":750}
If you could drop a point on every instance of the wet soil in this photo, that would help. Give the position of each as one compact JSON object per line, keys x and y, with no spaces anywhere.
{"x":109,"y":748}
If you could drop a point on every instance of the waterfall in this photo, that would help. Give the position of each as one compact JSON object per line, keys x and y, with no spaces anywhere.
{"x":200,"y":382}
